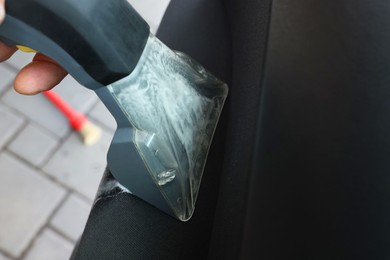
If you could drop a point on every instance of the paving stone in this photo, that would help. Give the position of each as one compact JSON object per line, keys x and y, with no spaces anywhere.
{"x":78,"y":166}
{"x":27,"y":199}
{"x":101,"y":114}
{"x":10,"y":123}
{"x":79,"y":97}
{"x":151,"y":10}
{"x":20,"y":59}
{"x":7,"y":76}
{"x":34,"y":145}
{"x":72,"y":217}
{"x":50,"y":246}
{"x":38,"y":109}
{"x":2,"y":257}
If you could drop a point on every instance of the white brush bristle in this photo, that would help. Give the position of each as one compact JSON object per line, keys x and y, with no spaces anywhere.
{"x":90,"y":133}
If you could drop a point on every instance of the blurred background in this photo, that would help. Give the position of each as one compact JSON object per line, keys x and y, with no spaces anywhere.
{"x":48,"y":178}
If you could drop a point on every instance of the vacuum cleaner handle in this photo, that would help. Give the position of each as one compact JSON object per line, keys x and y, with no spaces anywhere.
{"x":165,"y":104}
{"x":97,"y":40}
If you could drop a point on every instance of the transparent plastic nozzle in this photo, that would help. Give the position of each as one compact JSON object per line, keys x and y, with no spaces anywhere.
{"x":174,"y":105}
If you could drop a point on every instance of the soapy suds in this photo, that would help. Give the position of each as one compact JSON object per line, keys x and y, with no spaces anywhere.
{"x":109,"y":187}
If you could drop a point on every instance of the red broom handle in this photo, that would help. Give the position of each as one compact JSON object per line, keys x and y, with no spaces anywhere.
{"x":76,"y":119}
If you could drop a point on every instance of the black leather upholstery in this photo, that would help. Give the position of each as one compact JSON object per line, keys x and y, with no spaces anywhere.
{"x":322,"y":188}
{"x":300,"y":167}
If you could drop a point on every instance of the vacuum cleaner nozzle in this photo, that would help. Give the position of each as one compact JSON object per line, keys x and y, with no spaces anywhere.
{"x":173,"y":105}
{"x":165,"y":104}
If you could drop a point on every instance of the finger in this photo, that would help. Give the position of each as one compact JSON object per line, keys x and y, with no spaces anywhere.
{"x":40,"y":75}
{"x":2,"y":10}
{"x":6,"y":51}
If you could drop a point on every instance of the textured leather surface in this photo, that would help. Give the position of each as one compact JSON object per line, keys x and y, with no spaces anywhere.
{"x":322,"y":188}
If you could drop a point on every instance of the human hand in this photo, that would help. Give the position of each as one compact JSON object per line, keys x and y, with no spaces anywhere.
{"x":40,"y":75}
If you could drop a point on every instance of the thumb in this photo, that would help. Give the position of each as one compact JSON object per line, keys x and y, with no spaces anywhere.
{"x":2,"y":10}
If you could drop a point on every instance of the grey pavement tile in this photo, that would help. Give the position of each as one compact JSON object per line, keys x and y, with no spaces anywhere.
{"x":27,"y":200}
{"x":71,"y":218}
{"x":33,"y":144}
{"x":40,"y":110}
{"x":2,"y":257}
{"x":50,"y":246}
{"x":20,"y":59}
{"x":10,"y":123}
{"x":151,"y":10}
{"x":79,"y":97}
{"x":7,"y":76}
{"x":101,"y":114}
{"x":78,"y":166}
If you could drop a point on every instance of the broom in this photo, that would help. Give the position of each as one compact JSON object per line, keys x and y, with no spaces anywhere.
{"x":89,"y":133}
